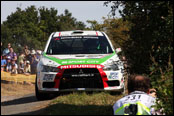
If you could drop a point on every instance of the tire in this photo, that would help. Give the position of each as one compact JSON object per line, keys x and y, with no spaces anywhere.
{"x":122,"y":92}
{"x":40,"y":96}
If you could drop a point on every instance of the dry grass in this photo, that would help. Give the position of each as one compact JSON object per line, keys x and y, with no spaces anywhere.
{"x":16,"y":89}
{"x":17,"y":78}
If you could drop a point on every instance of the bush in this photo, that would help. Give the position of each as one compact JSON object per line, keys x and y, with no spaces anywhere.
{"x":164,"y":85}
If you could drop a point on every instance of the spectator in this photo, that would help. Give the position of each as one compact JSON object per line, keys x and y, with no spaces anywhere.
{"x":21,"y":58}
{"x":30,"y":58}
{"x":8,"y":66}
{"x":27,"y":69}
{"x":12,"y":54}
{"x":138,"y":101}
{"x":21,"y":67}
{"x":125,"y":64}
{"x":25,"y":62}
{"x":26,"y":52}
{"x":3,"y":63}
{"x":38,"y":54}
{"x":14,"y":67}
{"x":34,"y":62}
{"x":7,"y":50}
{"x":1,"y":50}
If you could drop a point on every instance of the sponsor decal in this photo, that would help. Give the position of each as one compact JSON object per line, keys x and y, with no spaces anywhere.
{"x":96,"y":33}
{"x":83,"y":75}
{"x":80,"y":66}
{"x":48,"y":77}
{"x":79,"y":61}
{"x":113,"y":75}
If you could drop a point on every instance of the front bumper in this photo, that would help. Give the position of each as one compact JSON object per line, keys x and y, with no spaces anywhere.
{"x":107,"y":81}
{"x":55,"y":90}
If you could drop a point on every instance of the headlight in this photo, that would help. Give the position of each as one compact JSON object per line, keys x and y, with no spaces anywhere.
{"x":49,"y":69}
{"x":111,"y":67}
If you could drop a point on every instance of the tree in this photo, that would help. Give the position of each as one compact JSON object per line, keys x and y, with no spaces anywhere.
{"x":33,"y":26}
{"x":148,"y":20}
{"x":67,"y":22}
{"x":149,"y":48}
{"x":115,"y":28}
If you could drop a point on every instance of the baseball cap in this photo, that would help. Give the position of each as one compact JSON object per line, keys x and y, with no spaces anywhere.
{"x":28,"y":61}
{"x":8,"y":57}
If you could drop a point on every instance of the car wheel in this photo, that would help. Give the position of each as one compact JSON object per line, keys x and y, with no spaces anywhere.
{"x":40,"y":96}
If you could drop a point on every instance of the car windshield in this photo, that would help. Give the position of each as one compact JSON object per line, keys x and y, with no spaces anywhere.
{"x":79,"y":45}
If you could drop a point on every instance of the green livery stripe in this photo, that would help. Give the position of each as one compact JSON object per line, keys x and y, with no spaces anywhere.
{"x":79,"y":61}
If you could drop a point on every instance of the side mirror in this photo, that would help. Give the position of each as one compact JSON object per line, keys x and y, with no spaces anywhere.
{"x":118,"y":50}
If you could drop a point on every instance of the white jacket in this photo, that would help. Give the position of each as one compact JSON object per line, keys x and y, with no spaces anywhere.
{"x":136,"y":103}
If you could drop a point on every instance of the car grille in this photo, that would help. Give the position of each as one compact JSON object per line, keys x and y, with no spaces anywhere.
{"x":48,"y":84}
{"x":113,"y":83}
{"x":81,"y":78}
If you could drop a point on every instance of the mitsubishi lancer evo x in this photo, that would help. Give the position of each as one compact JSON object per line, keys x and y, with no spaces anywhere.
{"x":78,"y":61}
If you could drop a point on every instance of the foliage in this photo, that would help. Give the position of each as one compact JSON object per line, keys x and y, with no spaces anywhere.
{"x":151,"y":32}
{"x":164,"y":78}
{"x":115,"y":28}
{"x":33,"y":26}
{"x":95,"y":25}
{"x":149,"y":48}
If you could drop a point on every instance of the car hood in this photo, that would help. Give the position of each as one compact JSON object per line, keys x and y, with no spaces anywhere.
{"x":79,"y":59}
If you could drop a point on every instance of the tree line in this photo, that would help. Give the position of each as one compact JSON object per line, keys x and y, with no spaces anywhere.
{"x":33,"y":26}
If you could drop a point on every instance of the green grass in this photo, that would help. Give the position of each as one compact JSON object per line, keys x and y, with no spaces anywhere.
{"x":81,"y":103}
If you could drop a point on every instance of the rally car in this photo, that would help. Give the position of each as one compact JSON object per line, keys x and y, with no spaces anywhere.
{"x":78,"y":61}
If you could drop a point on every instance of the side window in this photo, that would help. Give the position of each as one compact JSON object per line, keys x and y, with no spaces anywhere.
{"x":105,"y":46}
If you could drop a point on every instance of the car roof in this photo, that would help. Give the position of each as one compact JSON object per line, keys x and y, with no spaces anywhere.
{"x":78,"y":33}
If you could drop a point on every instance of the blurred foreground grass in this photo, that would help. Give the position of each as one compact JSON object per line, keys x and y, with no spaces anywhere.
{"x":81,"y":103}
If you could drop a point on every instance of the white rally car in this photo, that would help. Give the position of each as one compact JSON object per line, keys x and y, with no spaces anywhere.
{"x":78,"y":61}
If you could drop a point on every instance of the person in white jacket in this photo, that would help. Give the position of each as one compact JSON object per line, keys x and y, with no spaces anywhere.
{"x":139,"y":100}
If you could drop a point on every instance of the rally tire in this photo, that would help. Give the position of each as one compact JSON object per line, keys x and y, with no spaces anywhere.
{"x":40,"y":96}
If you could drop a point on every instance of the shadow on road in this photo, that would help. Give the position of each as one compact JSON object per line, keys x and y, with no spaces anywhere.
{"x":26,"y":105}
{"x":24,"y":100}
{"x":37,"y":112}
{"x":72,"y":109}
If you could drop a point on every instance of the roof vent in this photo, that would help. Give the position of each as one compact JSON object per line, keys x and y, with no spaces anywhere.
{"x":77,"y":32}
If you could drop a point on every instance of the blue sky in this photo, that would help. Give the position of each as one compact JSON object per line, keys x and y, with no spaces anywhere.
{"x":81,"y":10}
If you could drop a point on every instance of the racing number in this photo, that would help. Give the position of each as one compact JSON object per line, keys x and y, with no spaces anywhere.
{"x":132,"y":97}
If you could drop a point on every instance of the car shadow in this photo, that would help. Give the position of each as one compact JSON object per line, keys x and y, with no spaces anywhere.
{"x":37,"y":112}
{"x":70,"y":109}
{"x":23,"y":100}
{"x":73,"y":109}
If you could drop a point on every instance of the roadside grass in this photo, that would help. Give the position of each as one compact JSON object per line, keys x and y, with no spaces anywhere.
{"x":81,"y":103}
{"x":16,"y":85}
{"x":16,"y":89}
{"x":19,"y":78}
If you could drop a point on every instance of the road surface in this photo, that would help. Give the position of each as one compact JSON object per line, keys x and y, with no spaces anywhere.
{"x":26,"y":105}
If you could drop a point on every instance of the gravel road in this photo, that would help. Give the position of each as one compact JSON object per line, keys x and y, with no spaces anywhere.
{"x":26,"y":105}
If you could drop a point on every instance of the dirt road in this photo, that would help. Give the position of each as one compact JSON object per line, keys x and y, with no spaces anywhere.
{"x":26,"y":105}
{"x":17,"y":99}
